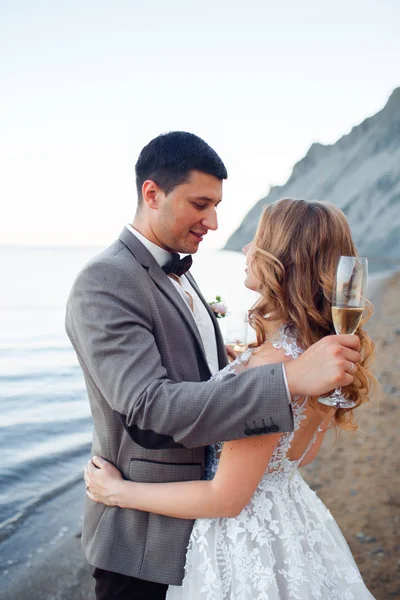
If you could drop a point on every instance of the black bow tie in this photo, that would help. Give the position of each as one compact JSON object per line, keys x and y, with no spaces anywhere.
{"x":177,"y":265}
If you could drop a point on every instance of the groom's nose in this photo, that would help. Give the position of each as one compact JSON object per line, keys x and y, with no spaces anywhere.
{"x":210,"y":220}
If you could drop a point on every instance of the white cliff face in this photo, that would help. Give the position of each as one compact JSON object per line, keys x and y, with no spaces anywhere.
{"x":360,"y":173}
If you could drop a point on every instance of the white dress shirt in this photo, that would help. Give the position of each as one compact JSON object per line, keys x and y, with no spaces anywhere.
{"x":200,"y":315}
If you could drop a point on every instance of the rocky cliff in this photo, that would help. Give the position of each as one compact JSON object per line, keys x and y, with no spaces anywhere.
{"x":360,"y":173}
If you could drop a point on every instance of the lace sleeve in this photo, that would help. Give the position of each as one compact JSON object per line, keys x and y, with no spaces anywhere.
{"x":285,"y":338}
{"x":235,"y":367}
{"x":287,"y":341}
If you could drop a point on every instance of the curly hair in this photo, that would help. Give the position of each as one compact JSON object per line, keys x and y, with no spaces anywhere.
{"x":295,"y":254}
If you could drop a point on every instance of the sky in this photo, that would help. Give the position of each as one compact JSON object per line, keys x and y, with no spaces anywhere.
{"x":84,"y":85}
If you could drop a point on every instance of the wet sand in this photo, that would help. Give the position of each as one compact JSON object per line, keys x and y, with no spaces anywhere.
{"x":43,"y":558}
{"x":358,"y":478}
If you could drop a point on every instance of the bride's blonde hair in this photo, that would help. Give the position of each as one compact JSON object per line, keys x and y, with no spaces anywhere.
{"x":296,"y":250}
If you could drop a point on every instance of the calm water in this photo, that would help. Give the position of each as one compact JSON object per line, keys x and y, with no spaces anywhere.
{"x":45,"y":421}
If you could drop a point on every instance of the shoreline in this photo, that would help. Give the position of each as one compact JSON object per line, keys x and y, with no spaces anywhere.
{"x":10,"y":525}
{"x":43,"y":559}
{"x":357,"y":479}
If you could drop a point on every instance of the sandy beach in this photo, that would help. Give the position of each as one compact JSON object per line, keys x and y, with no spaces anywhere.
{"x":357,"y":477}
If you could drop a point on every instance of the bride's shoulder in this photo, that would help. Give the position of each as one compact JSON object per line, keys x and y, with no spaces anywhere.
{"x":281,"y":346}
{"x":267,"y":354}
{"x":286,"y":339}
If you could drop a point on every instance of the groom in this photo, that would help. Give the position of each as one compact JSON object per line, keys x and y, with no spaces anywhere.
{"x":148,"y":343}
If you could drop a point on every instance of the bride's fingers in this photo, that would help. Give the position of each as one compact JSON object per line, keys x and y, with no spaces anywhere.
{"x":102,"y":467}
{"x":99,"y":462}
{"x":90,"y":495}
{"x":351,"y":367}
{"x":91,"y":467}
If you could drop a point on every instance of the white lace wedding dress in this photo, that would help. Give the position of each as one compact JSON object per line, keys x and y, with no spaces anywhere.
{"x":284,"y":544}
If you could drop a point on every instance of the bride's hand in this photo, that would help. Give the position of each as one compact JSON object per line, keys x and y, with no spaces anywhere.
{"x":102,"y":481}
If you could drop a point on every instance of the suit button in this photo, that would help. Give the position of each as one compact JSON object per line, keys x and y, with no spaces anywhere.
{"x":274,"y":428}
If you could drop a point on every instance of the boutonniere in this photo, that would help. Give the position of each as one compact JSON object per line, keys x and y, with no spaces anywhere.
{"x":219,"y":307}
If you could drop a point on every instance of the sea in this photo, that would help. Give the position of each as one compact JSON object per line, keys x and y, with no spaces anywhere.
{"x":45,"y":420}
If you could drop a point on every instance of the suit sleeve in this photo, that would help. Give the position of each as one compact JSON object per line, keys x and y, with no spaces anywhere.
{"x":111,"y":331}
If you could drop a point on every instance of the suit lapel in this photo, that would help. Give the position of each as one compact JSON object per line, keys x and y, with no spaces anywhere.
{"x":222,"y":358}
{"x":163,"y":282}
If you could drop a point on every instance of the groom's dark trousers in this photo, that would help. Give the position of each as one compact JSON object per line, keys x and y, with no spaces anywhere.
{"x":114,"y":586}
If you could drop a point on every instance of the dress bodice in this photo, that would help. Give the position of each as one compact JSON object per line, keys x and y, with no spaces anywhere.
{"x":280,"y":465}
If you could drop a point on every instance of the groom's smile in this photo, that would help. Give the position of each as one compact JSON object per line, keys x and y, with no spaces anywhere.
{"x":198,"y":236}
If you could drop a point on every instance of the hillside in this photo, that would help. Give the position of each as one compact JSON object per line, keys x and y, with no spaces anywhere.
{"x":360,"y":173}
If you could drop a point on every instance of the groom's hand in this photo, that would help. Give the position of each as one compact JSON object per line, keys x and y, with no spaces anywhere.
{"x":324,"y":366}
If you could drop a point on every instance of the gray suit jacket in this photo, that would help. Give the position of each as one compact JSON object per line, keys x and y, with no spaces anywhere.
{"x":153,"y":409}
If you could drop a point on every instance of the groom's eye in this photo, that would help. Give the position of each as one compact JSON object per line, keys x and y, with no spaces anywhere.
{"x":200,"y":206}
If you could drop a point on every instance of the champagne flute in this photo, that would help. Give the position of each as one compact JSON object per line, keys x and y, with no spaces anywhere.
{"x":238,"y":333}
{"x":348,"y":301}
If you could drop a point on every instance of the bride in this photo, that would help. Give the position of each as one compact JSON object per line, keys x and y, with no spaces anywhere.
{"x":260,"y":531}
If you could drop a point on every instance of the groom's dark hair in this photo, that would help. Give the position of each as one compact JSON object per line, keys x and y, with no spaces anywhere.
{"x":169,"y":158}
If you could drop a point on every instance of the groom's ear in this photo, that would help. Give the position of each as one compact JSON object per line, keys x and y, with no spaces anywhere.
{"x":151,"y":194}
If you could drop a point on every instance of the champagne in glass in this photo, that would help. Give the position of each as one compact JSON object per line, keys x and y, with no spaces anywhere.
{"x":348,"y":301}
{"x":346,"y":318}
{"x":238,"y":333}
